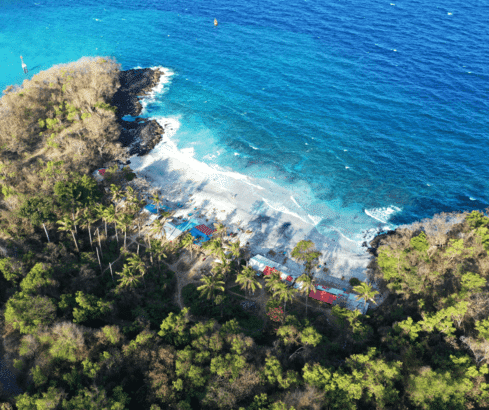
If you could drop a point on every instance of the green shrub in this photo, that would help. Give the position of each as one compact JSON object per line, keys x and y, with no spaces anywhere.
{"x":354,"y":282}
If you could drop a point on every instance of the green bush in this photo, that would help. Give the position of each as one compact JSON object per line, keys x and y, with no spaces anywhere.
{"x":354,"y":282}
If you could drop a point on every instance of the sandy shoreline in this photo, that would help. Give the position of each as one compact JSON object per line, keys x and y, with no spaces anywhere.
{"x":214,"y":195}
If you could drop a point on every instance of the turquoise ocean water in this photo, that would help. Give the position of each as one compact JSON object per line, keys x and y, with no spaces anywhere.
{"x":373,"y":114}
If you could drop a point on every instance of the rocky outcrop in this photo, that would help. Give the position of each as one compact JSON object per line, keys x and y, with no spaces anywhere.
{"x":141,"y":135}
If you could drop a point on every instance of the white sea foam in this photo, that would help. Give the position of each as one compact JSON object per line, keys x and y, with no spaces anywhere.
{"x":472,"y":199}
{"x":382,"y":214}
{"x":277,"y":206}
{"x":253,"y":147}
{"x":315,"y":219}
{"x":295,"y":202}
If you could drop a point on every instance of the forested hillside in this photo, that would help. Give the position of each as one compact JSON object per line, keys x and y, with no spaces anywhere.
{"x":90,"y":318}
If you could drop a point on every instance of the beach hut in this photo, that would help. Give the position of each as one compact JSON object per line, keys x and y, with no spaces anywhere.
{"x":322,"y":296}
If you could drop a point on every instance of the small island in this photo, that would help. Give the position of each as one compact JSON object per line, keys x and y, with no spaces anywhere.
{"x":111,"y":299}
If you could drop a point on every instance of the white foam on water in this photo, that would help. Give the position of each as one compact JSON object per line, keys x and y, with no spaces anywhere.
{"x":471,"y":198}
{"x":382,"y":214}
{"x":315,"y":219}
{"x":295,"y":202}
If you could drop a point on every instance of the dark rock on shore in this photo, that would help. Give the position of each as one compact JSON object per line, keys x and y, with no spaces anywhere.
{"x":134,"y":83}
{"x":141,"y":135}
{"x":377,"y":241}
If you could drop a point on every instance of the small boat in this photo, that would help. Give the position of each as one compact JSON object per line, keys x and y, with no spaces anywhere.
{"x":215,"y":22}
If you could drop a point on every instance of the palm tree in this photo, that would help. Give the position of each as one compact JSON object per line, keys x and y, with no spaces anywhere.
{"x":157,"y":200}
{"x":116,"y":192}
{"x":187,"y":242}
{"x":128,"y":278}
{"x":215,"y":248}
{"x":365,"y":292}
{"x":100,"y":212}
{"x":157,"y":227}
{"x":136,"y":264}
{"x":86,"y":219}
{"x":110,"y":216}
{"x":222,"y":269}
{"x":159,"y":250}
{"x":67,"y":224}
{"x":247,"y":279}
{"x":284,"y":293}
{"x":235,"y":249}
{"x":308,"y":286}
{"x":220,"y":229}
{"x":210,"y":285}
{"x":272,"y":281}
{"x":124,"y":221}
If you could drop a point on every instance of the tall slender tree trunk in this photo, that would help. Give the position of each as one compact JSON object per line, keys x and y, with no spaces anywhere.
{"x":116,"y":236}
{"x":90,"y":235}
{"x":111,"y":274}
{"x":76,"y":243}
{"x":73,"y":215}
{"x":99,"y":263}
{"x":45,"y":230}
{"x":98,"y":234}
{"x":125,"y":235}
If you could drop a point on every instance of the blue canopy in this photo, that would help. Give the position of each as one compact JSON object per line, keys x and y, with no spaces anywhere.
{"x":197,"y":234}
{"x":151,"y":208}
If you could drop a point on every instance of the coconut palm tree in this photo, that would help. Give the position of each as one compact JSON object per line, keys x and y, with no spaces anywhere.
{"x":137,"y":265}
{"x":210,"y":285}
{"x":99,"y":210}
{"x":67,"y":224}
{"x":187,"y":242}
{"x":220,"y":230}
{"x":157,"y":200}
{"x":365,"y":292}
{"x":159,"y":250}
{"x":308,"y":286}
{"x":215,"y":247}
{"x":271,"y":281}
{"x":110,"y":216}
{"x":87,"y":218}
{"x":247,"y":280}
{"x":235,"y":249}
{"x":124,"y":221}
{"x":116,"y":192}
{"x":157,"y":227}
{"x":223,"y":269}
{"x":128,"y":277}
{"x":284,"y":293}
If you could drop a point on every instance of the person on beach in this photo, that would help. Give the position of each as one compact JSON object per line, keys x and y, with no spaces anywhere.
{"x":24,"y":66}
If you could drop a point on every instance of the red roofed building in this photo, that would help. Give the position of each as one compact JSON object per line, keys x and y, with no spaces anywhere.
{"x":289,"y":278}
{"x":323,"y":296}
{"x":101,"y":171}
{"x":268,"y":271}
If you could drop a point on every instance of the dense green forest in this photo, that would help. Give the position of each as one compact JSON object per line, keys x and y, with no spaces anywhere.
{"x":90,"y":317}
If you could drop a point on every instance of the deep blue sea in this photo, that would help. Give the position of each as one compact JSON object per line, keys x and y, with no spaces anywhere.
{"x":376,"y":112}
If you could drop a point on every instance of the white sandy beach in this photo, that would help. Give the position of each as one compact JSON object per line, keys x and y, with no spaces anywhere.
{"x":243,"y":204}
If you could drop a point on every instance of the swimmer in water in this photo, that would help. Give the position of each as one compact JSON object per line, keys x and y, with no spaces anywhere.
{"x":24,"y":67}
{"x":215,"y":22}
